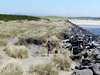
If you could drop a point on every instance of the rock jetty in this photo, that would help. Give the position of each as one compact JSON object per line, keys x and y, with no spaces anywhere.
{"x":84,"y":47}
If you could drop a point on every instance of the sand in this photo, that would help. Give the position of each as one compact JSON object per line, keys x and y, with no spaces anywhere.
{"x":85,"y":22}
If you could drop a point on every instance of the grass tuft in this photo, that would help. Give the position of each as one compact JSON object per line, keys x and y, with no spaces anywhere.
{"x":11,"y":69}
{"x":62,"y":62}
{"x":44,"y":69}
{"x":16,"y":51}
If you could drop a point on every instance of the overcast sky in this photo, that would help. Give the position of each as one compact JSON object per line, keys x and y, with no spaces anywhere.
{"x":51,"y":7}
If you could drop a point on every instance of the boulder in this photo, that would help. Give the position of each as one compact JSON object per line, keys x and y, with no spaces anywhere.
{"x":96,"y":68}
{"x":83,"y":72}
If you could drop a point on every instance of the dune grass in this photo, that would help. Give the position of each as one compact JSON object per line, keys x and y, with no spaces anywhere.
{"x":43,"y":69}
{"x":11,"y":69}
{"x":7,"y":17}
{"x":35,"y":29}
{"x":62,"y":62}
{"x":40,"y":30}
{"x":16,"y":51}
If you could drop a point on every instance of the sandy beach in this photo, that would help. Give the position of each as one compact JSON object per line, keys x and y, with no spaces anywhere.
{"x":85,"y":22}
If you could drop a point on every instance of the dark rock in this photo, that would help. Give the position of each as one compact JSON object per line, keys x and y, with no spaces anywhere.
{"x":75,"y":50}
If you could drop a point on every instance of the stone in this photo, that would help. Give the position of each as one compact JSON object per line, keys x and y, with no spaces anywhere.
{"x":83,"y":72}
{"x":96,"y":68}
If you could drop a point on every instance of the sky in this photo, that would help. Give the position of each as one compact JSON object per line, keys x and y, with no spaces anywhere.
{"x":90,"y":8}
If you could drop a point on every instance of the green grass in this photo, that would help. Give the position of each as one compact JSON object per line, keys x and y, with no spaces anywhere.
{"x":7,"y":17}
{"x":53,"y":18}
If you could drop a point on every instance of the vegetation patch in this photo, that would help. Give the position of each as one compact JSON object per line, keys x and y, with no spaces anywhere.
{"x":43,"y":69}
{"x":16,"y":51}
{"x":17,"y":17}
{"x":30,"y":40}
{"x":11,"y":69}
{"x":61,"y":62}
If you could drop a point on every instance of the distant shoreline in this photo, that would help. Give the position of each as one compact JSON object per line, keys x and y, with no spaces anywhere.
{"x":85,"y":22}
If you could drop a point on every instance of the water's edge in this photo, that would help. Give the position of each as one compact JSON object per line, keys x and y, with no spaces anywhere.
{"x":76,"y":29}
{"x":92,"y":28}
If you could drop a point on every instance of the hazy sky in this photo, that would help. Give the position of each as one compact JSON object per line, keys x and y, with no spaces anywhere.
{"x":51,"y":7}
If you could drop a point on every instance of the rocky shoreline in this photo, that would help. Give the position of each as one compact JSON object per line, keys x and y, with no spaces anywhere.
{"x":75,"y":29}
{"x":85,"y":50}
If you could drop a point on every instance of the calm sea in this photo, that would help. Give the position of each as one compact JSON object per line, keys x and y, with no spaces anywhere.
{"x":92,"y":28}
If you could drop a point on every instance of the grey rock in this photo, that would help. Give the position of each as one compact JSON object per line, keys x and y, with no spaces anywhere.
{"x":83,"y":72}
{"x":96,"y":68}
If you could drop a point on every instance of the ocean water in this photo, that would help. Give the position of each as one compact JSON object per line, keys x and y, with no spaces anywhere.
{"x":92,"y":28}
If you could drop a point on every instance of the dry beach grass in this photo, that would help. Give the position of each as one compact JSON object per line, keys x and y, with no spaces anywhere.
{"x":14,"y":45}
